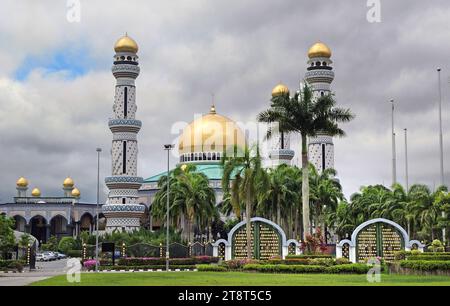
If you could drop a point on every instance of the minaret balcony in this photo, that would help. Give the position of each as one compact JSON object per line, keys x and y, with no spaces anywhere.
{"x":125,"y":71}
{"x":319,"y":76}
{"x":124,"y":125}
{"x":123,"y":182}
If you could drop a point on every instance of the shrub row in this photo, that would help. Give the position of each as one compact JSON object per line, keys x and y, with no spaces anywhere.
{"x":145,"y":261}
{"x":401,"y":255}
{"x":308,"y":261}
{"x":345,"y":268}
{"x":74,"y":253}
{"x":309,"y":256}
{"x":12,"y":265}
{"x":425,"y":265}
{"x":211,"y":268}
{"x":427,"y":257}
{"x":146,"y":267}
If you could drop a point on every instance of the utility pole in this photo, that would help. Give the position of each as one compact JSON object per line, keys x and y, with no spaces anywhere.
{"x":406,"y":160}
{"x":394,"y":161}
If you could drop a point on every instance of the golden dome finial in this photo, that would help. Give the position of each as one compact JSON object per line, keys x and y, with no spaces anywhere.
{"x":22,"y":182}
{"x":76,"y":193}
{"x":126,"y":44}
{"x":36,"y":192}
{"x":68,"y":182}
{"x":279,"y":90}
{"x":319,"y":49}
{"x":212,"y":110}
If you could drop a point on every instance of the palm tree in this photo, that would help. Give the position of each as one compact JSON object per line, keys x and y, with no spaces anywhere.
{"x":192,"y":200}
{"x":246,"y":176}
{"x":326,"y":192}
{"x":307,"y":116}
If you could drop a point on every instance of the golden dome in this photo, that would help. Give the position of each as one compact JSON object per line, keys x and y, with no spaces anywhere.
{"x":76,"y":193}
{"x":22,"y":182}
{"x":68,"y":182}
{"x":279,"y":90}
{"x":126,"y":44}
{"x":319,"y":49}
{"x":211,"y":133}
{"x":36,"y":192}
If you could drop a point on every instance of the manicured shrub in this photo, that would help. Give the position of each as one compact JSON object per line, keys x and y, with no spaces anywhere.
{"x":327,"y":262}
{"x":146,"y":267}
{"x":284,"y":268}
{"x":427,"y":257}
{"x":309,"y":256}
{"x":424,"y":265}
{"x":211,"y":268}
{"x":66,"y":244}
{"x":74,"y":253}
{"x":342,"y":261}
{"x":237,"y":264}
{"x":142,"y":261}
{"x":348,"y":268}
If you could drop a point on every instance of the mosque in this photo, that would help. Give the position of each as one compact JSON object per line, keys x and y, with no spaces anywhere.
{"x":203,"y":143}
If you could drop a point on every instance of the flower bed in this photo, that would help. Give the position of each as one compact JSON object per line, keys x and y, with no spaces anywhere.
{"x":146,"y":267}
{"x":308,"y":256}
{"x":345,"y":268}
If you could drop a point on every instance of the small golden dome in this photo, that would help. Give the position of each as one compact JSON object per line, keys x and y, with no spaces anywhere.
{"x":36,"y":192}
{"x":211,"y":133}
{"x":22,"y":182}
{"x":279,"y":90}
{"x":68,"y":182}
{"x":126,"y":44}
{"x":319,"y":49}
{"x":76,"y":193}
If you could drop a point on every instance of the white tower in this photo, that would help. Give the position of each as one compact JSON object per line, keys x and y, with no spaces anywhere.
{"x":319,"y":76}
{"x":280,"y":152}
{"x":123,"y":212}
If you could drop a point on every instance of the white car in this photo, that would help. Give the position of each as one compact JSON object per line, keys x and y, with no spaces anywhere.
{"x":42,"y":257}
{"x":50,"y":255}
{"x":60,"y":255}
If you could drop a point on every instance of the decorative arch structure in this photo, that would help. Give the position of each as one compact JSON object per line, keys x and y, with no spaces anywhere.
{"x":262,"y":230}
{"x":377,"y":237}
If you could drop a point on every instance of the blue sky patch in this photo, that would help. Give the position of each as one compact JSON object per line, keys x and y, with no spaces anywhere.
{"x":73,"y":63}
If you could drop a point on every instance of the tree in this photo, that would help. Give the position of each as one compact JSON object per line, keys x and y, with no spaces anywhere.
{"x":25,"y":240}
{"x":307,"y":116}
{"x":247,"y":178}
{"x":7,"y":239}
{"x":192,"y":200}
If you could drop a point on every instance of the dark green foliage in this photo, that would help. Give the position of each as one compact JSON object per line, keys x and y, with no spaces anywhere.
{"x":211,"y":268}
{"x":425,"y":265}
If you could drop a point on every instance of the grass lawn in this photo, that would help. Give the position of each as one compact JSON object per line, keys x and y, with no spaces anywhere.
{"x":240,"y":279}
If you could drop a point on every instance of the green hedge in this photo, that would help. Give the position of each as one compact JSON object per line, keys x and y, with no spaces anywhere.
{"x":344,"y":268}
{"x":348,"y":268}
{"x":148,"y":267}
{"x":401,"y":255}
{"x":211,"y":268}
{"x":309,"y":256}
{"x":425,"y":265}
{"x":427,"y":257}
{"x":284,"y":268}
{"x":145,"y":261}
{"x":74,"y":253}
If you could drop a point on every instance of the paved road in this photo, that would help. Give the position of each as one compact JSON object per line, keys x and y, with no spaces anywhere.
{"x":43,"y":270}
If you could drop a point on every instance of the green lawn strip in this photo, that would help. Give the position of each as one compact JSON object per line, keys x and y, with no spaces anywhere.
{"x":240,"y":279}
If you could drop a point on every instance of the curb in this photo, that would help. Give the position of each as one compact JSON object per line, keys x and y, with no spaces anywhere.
{"x":144,"y":270}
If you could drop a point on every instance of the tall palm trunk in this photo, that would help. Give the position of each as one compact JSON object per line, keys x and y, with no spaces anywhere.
{"x":278,"y":210}
{"x":248,"y":208}
{"x":305,"y":188}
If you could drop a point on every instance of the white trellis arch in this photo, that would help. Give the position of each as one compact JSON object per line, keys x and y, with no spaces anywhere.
{"x":228,"y":243}
{"x":352,"y":242}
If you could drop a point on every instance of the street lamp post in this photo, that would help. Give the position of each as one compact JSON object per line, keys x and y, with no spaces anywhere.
{"x":98,"y":200}
{"x":441,"y":146}
{"x":168,"y":147}
{"x":394,"y":162}
{"x":406,"y":159}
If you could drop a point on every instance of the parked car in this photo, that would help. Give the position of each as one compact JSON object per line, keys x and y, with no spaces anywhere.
{"x":51,"y":255}
{"x":42,"y":257}
{"x":60,"y":255}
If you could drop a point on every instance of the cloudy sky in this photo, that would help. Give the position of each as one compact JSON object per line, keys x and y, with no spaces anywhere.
{"x":56,"y":87}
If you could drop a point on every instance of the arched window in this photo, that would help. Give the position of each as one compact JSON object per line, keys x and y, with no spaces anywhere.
{"x":324,"y":63}
{"x":129,"y":58}
{"x":317,"y":63}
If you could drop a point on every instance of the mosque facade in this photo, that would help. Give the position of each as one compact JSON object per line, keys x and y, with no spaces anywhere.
{"x":202,"y":143}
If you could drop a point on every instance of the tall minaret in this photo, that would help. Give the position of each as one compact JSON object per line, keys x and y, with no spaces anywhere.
{"x":319,"y":76}
{"x":122,"y":211}
{"x":280,"y":152}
